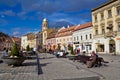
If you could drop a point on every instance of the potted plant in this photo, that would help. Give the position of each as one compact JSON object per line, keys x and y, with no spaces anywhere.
{"x":15,"y":57}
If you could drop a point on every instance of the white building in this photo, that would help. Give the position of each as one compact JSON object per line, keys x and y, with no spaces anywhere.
{"x":82,"y":37}
{"x":24,"y":42}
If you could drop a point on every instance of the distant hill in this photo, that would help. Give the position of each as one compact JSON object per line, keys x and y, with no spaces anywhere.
{"x":3,"y":34}
{"x":4,"y":37}
{"x":60,"y":24}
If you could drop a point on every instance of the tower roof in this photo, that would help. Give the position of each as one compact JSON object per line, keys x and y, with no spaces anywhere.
{"x":44,"y":19}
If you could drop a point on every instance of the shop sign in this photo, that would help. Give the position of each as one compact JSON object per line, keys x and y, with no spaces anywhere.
{"x":117,"y":38}
{"x":76,"y":42}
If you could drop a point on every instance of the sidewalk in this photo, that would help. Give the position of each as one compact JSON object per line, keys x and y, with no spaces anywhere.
{"x":28,"y":71}
{"x":52,"y":68}
{"x":63,"y":69}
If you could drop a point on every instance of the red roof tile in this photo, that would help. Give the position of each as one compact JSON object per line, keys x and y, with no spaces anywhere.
{"x":89,"y":24}
{"x":66,"y":31}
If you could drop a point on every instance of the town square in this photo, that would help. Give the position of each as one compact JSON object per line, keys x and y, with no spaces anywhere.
{"x":71,"y":42}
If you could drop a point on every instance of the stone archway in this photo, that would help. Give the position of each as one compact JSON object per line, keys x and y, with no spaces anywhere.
{"x":112,"y":47}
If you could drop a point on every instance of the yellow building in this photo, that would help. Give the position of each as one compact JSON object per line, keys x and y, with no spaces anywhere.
{"x":45,"y":31}
{"x":28,"y":39}
{"x":64,"y":37}
{"x":106,"y":27}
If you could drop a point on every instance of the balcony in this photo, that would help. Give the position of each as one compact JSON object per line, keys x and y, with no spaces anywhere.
{"x":110,"y":34}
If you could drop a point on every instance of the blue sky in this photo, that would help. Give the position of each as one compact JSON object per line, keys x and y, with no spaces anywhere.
{"x":18,"y":17}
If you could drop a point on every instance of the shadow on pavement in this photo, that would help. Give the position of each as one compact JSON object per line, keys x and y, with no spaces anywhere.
{"x":46,"y":57}
{"x":31,"y":57}
{"x":1,"y":61}
{"x":29,"y":64}
{"x":85,"y":78}
{"x":44,"y":64}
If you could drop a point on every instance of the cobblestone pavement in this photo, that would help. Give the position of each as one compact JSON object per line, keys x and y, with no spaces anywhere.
{"x":28,"y":71}
{"x":52,"y":68}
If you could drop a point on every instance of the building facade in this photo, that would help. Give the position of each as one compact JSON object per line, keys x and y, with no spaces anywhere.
{"x":106,"y":27}
{"x":28,"y":39}
{"x":64,"y":37}
{"x":24,"y":42}
{"x":51,"y":41}
{"x":82,"y":37}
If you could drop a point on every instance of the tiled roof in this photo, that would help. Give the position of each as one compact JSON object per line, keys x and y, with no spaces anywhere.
{"x":52,"y":34}
{"x":66,"y":31}
{"x":89,"y":24}
{"x":16,"y":39}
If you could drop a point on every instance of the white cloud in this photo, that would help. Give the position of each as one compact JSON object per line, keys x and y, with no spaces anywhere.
{"x":16,"y":33}
{"x":8,"y":13}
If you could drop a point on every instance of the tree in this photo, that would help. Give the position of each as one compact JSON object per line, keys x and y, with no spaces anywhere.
{"x":72,"y":52}
{"x":15,"y":50}
{"x":28,"y":48}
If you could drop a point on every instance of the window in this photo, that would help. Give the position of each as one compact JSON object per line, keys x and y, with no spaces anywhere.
{"x":77,"y":38}
{"x":74,"y":38}
{"x":109,"y":13}
{"x":102,"y":16}
{"x":103,"y":30}
{"x":67,"y":39}
{"x":96,"y":32}
{"x":118,"y":10}
{"x":86,"y":37}
{"x":60,"y":40}
{"x":95,"y":18}
{"x":119,"y":27}
{"x":81,"y":37}
{"x":63,"y":39}
{"x":90,"y":48}
{"x":90,"y":36}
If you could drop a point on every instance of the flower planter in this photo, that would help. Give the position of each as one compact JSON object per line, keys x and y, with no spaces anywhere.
{"x":15,"y":61}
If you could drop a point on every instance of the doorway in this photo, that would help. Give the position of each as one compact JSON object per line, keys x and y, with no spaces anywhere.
{"x":112,"y":47}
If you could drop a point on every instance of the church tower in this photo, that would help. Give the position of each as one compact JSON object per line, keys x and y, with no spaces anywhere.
{"x":44,"y":24}
{"x":44,"y":31}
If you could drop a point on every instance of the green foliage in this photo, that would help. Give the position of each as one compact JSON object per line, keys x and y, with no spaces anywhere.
{"x":28,"y":48}
{"x":71,"y":49}
{"x":15,"y":50}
